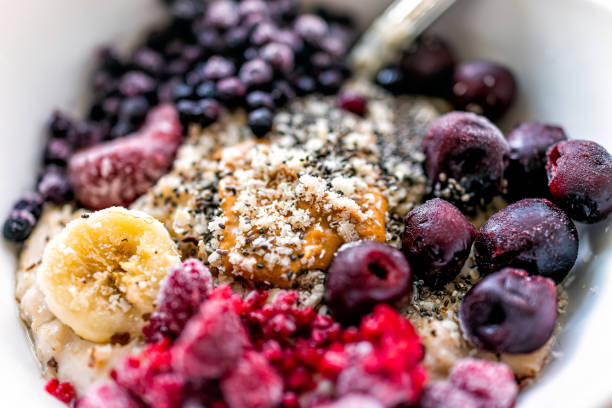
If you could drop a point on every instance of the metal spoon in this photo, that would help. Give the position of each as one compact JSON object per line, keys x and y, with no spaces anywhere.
{"x":393,"y":30}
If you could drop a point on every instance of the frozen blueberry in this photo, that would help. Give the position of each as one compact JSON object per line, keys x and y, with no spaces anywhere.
{"x":483,"y":87}
{"x":465,"y":158}
{"x":510,"y":312}
{"x":437,"y":241}
{"x":31,"y":202}
{"x":134,"y":110}
{"x":352,"y":102}
{"x":580,"y":179}
{"x":526,"y":172}
{"x":135,"y":83}
{"x":282,"y":92}
{"x":222,"y":14}
{"x":256,"y":72}
{"x":363,"y":274}
{"x":305,"y":84}
{"x":311,"y":28}
{"x":182,"y":91}
{"x":60,"y":125}
{"x":19,"y":225}
{"x":279,"y":56}
{"x":54,"y":186}
{"x":217,"y":68}
{"x":532,"y":234}
{"x":428,"y":66}
{"x":259,"y":99}
{"x":231,"y":90}
{"x":211,"y":110}
{"x":263,"y":33}
{"x":57,"y":152}
{"x":148,"y":61}
{"x":392,"y":79}
{"x":237,"y":39}
{"x":189,"y":111}
{"x":206,"y":90}
{"x":330,"y":81}
{"x":261,"y":121}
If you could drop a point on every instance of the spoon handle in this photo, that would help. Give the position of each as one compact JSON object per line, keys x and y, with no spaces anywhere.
{"x":393,"y":30}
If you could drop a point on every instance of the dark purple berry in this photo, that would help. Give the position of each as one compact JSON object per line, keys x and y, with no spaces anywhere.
{"x":279,"y":56}
{"x":121,"y":128}
{"x":305,"y":84}
{"x":177,"y":68}
{"x":19,"y":225}
{"x":391,"y":79}
{"x":311,"y":28}
{"x":363,"y":274}
{"x":183,"y":290}
{"x":185,"y":11}
{"x":259,"y":99}
{"x":206,"y":90}
{"x":532,"y":234}
{"x":109,"y":61}
{"x":437,"y":241}
{"x":282,"y":92}
{"x":30,"y":202}
{"x":580,"y":179}
{"x":211,"y":40}
{"x":263,"y":33}
{"x":182,"y":91}
{"x":330,"y":81}
{"x":256,"y":73}
{"x":134,"y":110}
{"x":526,"y":172}
{"x":237,"y":38}
{"x":231,"y":90}
{"x":135,"y":83}
{"x":321,"y":60}
{"x":261,"y":121}
{"x":148,"y":61}
{"x":250,"y":54}
{"x":54,"y":186}
{"x":352,"y":102}
{"x":483,"y":87}
{"x":247,"y":7}
{"x":217,"y":68}
{"x":57,"y":152}
{"x":428,"y":66}
{"x":465,"y":158}
{"x":510,"y":312}
{"x":222,"y":14}
{"x":60,"y":125}
{"x":211,"y":110}
{"x":189,"y":111}
{"x":334,"y":46}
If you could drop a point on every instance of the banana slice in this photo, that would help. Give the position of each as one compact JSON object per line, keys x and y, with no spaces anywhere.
{"x":101,"y":274}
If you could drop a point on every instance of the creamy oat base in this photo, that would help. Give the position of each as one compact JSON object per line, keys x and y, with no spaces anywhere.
{"x":319,"y":155}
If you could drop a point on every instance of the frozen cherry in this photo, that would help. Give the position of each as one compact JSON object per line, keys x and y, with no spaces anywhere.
{"x":526,"y":172}
{"x":352,"y":102}
{"x":483,"y":87}
{"x":182,"y":291}
{"x":437,"y":241}
{"x":580,"y":179}
{"x":473,"y":383}
{"x":510,"y":311}
{"x":428,"y":66}
{"x":465,"y":158}
{"x":362,"y":275}
{"x":532,"y":234}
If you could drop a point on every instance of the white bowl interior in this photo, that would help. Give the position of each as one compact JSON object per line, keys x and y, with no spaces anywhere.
{"x":559,"y":50}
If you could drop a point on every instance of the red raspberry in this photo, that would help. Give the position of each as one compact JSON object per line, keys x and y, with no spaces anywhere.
{"x":473,"y":383}
{"x":118,"y":172}
{"x":213,"y":341}
{"x":105,"y":395}
{"x":252,"y":384}
{"x":352,"y":401}
{"x":63,"y":391}
{"x":184,"y":289}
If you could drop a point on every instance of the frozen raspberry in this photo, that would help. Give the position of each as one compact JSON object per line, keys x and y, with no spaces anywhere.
{"x":63,"y":391}
{"x":483,"y":87}
{"x":212,"y":342}
{"x":352,"y":401}
{"x":253,"y":383}
{"x":117,"y":172}
{"x":362,"y":275}
{"x":526,"y":172}
{"x":183,"y":290}
{"x":149,"y":376}
{"x":510,"y":312}
{"x":580,"y":179}
{"x":437,"y":241}
{"x":389,"y":370}
{"x":473,"y":383}
{"x":104,"y":395}
{"x":465,"y":158}
{"x":532,"y":234}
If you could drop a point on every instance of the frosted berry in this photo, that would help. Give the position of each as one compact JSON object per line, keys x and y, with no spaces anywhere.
{"x":103,"y":395}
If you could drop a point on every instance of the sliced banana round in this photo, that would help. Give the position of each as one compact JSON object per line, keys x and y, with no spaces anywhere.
{"x":101,"y":274}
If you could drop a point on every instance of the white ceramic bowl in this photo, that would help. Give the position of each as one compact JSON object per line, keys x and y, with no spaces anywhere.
{"x":559,"y":49}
